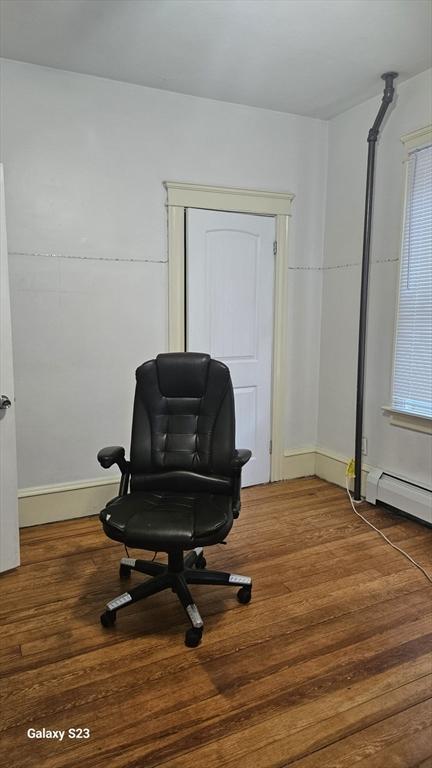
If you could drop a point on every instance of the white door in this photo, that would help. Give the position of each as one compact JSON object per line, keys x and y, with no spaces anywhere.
{"x":229,"y":315}
{"x":9,"y":537}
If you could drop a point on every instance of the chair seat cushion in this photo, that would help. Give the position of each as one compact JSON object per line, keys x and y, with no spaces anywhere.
{"x":165,"y":521}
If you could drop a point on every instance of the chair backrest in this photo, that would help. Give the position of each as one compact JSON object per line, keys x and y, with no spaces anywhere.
{"x":183,"y":432}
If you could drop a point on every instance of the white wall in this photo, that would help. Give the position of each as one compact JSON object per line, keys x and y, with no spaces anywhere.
{"x":397,"y":450}
{"x":84,"y":163}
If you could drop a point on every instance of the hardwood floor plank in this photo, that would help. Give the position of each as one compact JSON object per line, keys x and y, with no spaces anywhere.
{"x":370,"y":746}
{"x":31,"y":690}
{"x":333,"y":649}
{"x":287,"y":740}
{"x":427,"y":763}
{"x":162,"y":612}
{"x":405,"y":752}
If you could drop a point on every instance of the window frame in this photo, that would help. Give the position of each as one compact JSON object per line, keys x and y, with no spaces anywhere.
{"x":398,"y":417}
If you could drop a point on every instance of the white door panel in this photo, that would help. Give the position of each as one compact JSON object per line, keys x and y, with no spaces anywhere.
{"x":229,"y":283}
{"x":9,"y":538}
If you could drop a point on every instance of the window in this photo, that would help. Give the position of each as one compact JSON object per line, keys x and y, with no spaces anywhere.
{"x":412,"y":375}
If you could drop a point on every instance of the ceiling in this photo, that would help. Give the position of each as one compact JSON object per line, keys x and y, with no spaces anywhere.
{"x":310,"y":57}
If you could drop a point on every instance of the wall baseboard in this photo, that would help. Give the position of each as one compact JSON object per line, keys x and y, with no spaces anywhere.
{"x":318,"y":461}
{"x":298,"y":463}
{"x":332,"y":466}
{"x":48,"y":504}
{"x":51,"y":503}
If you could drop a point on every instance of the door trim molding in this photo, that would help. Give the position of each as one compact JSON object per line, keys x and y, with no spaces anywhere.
{"x":259,"y":202}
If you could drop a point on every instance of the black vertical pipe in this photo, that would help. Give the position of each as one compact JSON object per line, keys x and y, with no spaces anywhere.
{"x":388,"y":77}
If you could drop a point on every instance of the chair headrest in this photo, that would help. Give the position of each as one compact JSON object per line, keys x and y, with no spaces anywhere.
{"x":182,"y":374}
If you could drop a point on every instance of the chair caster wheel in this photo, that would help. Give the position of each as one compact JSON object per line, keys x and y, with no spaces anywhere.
{"x":201,"y":563}
{"x":244,"y":595}
{"x":193,"y":637}
{"x":124,"y":571}
{"x":108,"y":618}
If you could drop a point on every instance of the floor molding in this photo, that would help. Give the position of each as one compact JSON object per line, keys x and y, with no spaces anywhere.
{"x":322,"y":462}
{"x":50,"y":503}
{"x":298,"y":463}
{"x":331,"y":466}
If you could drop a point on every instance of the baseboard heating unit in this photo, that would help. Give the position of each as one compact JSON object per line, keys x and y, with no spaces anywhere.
{"x":411,"y":499}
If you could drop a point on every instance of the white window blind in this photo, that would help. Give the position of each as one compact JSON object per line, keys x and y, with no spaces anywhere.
{"x":412,"y":376}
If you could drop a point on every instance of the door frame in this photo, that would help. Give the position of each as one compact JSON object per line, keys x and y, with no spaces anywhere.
{"x":9,"y":538}
{"x":276,"y":204}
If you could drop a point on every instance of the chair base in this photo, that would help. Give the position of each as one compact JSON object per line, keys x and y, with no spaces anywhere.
{"x":176,"y":575}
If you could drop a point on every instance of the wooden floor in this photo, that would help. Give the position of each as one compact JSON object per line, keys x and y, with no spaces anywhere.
{"x":329,"y":665}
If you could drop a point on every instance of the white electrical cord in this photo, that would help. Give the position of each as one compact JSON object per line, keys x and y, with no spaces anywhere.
{"x":417,"y":565}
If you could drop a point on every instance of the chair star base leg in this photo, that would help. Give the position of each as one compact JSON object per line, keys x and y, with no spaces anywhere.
{"x":128,"y":564}
{"x":193,"y":557}
{"x":173,"y":576}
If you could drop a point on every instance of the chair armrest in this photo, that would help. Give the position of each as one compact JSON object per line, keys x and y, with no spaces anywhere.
{"x":240,"y":458}
{"x":113,"y":454}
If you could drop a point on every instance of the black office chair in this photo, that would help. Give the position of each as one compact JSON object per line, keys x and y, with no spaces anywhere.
{"x":185,"y":479}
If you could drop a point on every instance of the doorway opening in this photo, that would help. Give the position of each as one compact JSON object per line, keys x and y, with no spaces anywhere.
{"x":181,"y":197}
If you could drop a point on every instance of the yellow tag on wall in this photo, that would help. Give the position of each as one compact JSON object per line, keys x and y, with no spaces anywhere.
{"x":350,"y":469}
